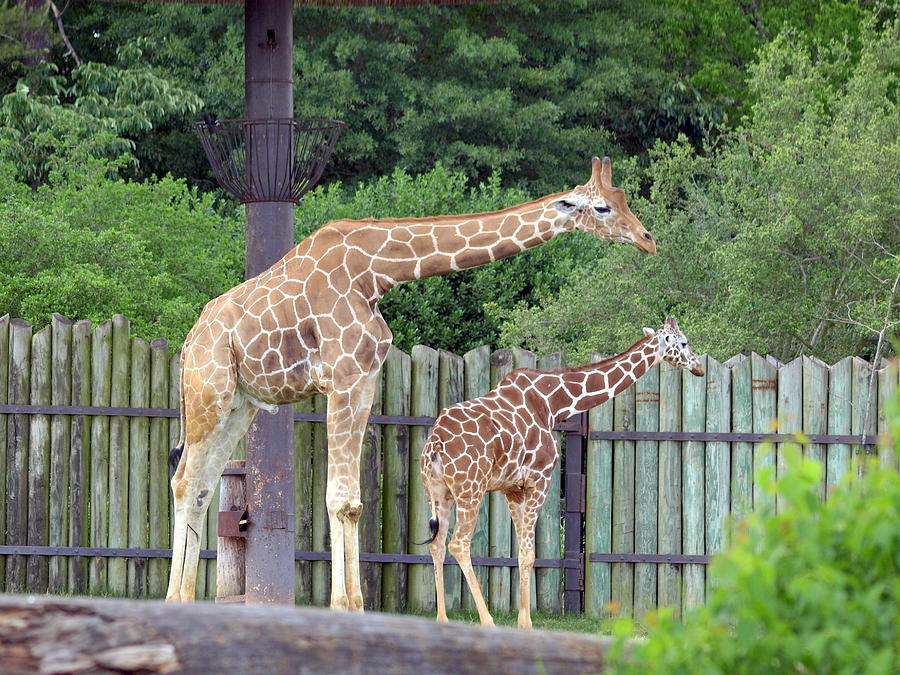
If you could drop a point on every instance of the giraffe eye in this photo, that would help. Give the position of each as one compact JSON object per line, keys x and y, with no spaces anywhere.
{"x":602,"y":210}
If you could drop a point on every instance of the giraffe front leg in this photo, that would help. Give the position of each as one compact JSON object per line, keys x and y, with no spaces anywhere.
{"x":348,"y":414}
{"x":335,"y":500}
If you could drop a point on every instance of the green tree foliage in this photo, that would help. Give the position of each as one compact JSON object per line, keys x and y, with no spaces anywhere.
{"x":448,"y":312}
{"x":773,"y":239}
{"x":88,"y":247}
{"x":530,"y":88}
{"x":812,"y":588}
{"x":51,"y":119}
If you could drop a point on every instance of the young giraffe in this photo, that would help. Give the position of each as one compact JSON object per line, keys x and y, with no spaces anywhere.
{"x":310,"y":324}
{"x":503,"y":441}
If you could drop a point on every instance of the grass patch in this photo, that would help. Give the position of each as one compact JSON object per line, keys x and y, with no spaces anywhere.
{"x":576,"y":623}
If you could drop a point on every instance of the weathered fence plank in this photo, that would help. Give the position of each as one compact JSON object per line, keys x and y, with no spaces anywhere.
{"x":451,"y":389}
{"x":80,"y":460}
{"x":303,"y":467}
{"x":101,"y":374}
{"x":598,"y":511}
{"x":718,"y":454}
{"x":864,"y":416}
{"x":839,"y":419}
{"x":646,"y":486}
{"x":887,"y":389}
{"x":139,"y":468}
{"x":623,"y":511}
{"x":371,"y":468}
{"x":741,"y":423}
{"x":500,"y":526}
{"x":158,"y":532}
{"x":321,"y":570}
{"x":815,"y":410}
{"x":39,"y":460}
{"x":18,"y":428}
{"x":669,"y":519}
{"x":790,"y":410}
{"x":694,"y":468}
{"x":395,"y":437}
{"x":118,"y":453}
{"x":4,"y":386}
{"x":212,"y":541}
{"x":60,"y":442}
{"x":548,"y":580}
{"x":230,"y":551}
{"x":478,"y":382}
{"x":764,"y":384}
{"x":423,"y":403}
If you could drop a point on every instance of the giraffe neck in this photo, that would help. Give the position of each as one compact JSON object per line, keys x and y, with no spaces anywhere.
{"x":417,"y":248}
{"x":586,"y":387}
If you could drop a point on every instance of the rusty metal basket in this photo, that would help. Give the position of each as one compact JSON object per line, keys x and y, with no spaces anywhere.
{"x":268,"y":160}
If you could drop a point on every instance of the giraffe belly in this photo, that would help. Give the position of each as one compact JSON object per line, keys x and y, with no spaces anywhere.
{"x":288,"y":384}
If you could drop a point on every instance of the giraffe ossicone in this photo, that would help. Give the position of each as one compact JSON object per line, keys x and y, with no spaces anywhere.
{"x":504,"y":441}
{"x":310,"y":324}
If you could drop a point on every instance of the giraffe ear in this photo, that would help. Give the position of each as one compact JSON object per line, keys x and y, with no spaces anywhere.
{"x":649,"y":331}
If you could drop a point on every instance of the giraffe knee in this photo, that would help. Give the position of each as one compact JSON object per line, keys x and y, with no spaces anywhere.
{"x":458,"y":548}
{"x":526,"y":557}
{"x":350,"y":512}
{"x":179,"y":487}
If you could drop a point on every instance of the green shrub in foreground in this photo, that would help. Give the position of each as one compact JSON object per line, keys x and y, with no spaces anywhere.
{"x":812,"y":589}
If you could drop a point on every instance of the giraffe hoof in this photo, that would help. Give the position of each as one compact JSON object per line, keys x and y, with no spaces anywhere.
{"x":340,"y":604}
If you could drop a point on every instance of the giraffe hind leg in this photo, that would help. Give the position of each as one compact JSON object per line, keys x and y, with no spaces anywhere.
{"x":193,"y":486}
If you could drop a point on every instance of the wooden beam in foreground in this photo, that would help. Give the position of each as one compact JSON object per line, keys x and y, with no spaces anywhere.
{"x":44,"y":634}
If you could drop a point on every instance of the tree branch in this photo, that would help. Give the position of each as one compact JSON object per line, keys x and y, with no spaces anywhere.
{"x":62,"y":32}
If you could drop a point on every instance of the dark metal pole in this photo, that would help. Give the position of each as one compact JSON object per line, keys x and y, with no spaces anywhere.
{"x":268,"y":49}
{"x":573,"y":581}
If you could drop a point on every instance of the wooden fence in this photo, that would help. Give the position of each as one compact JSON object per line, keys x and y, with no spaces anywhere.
{"x":649,"y":478}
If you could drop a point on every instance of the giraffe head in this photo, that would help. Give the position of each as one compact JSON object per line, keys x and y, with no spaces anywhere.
{"x":672,"y":346}
{"x":600,"y":209}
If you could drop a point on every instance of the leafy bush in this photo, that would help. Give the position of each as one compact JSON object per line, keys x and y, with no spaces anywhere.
{"x":814,"y":588}
{"x":88,"y":246}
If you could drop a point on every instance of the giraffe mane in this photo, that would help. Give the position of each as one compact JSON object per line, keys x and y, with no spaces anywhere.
{"x":446,"y":218}
{"x":603,"y":362}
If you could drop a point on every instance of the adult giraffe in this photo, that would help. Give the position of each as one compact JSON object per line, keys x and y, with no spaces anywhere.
{"x":310,"y":324}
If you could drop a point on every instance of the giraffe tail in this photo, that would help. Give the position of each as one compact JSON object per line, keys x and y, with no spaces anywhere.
{"x":434,"y":523}
{"x":176,"y":452}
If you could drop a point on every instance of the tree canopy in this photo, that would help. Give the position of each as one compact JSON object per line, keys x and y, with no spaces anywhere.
{"x":782,"y":237}
{"x":756,"y":140}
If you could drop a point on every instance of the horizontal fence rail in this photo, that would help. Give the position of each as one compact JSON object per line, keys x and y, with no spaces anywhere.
{"x":305,"y":556}
{"x":406,"y":420}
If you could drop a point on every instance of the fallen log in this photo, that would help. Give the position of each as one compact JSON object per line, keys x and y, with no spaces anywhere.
{"x":46,"y":634}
